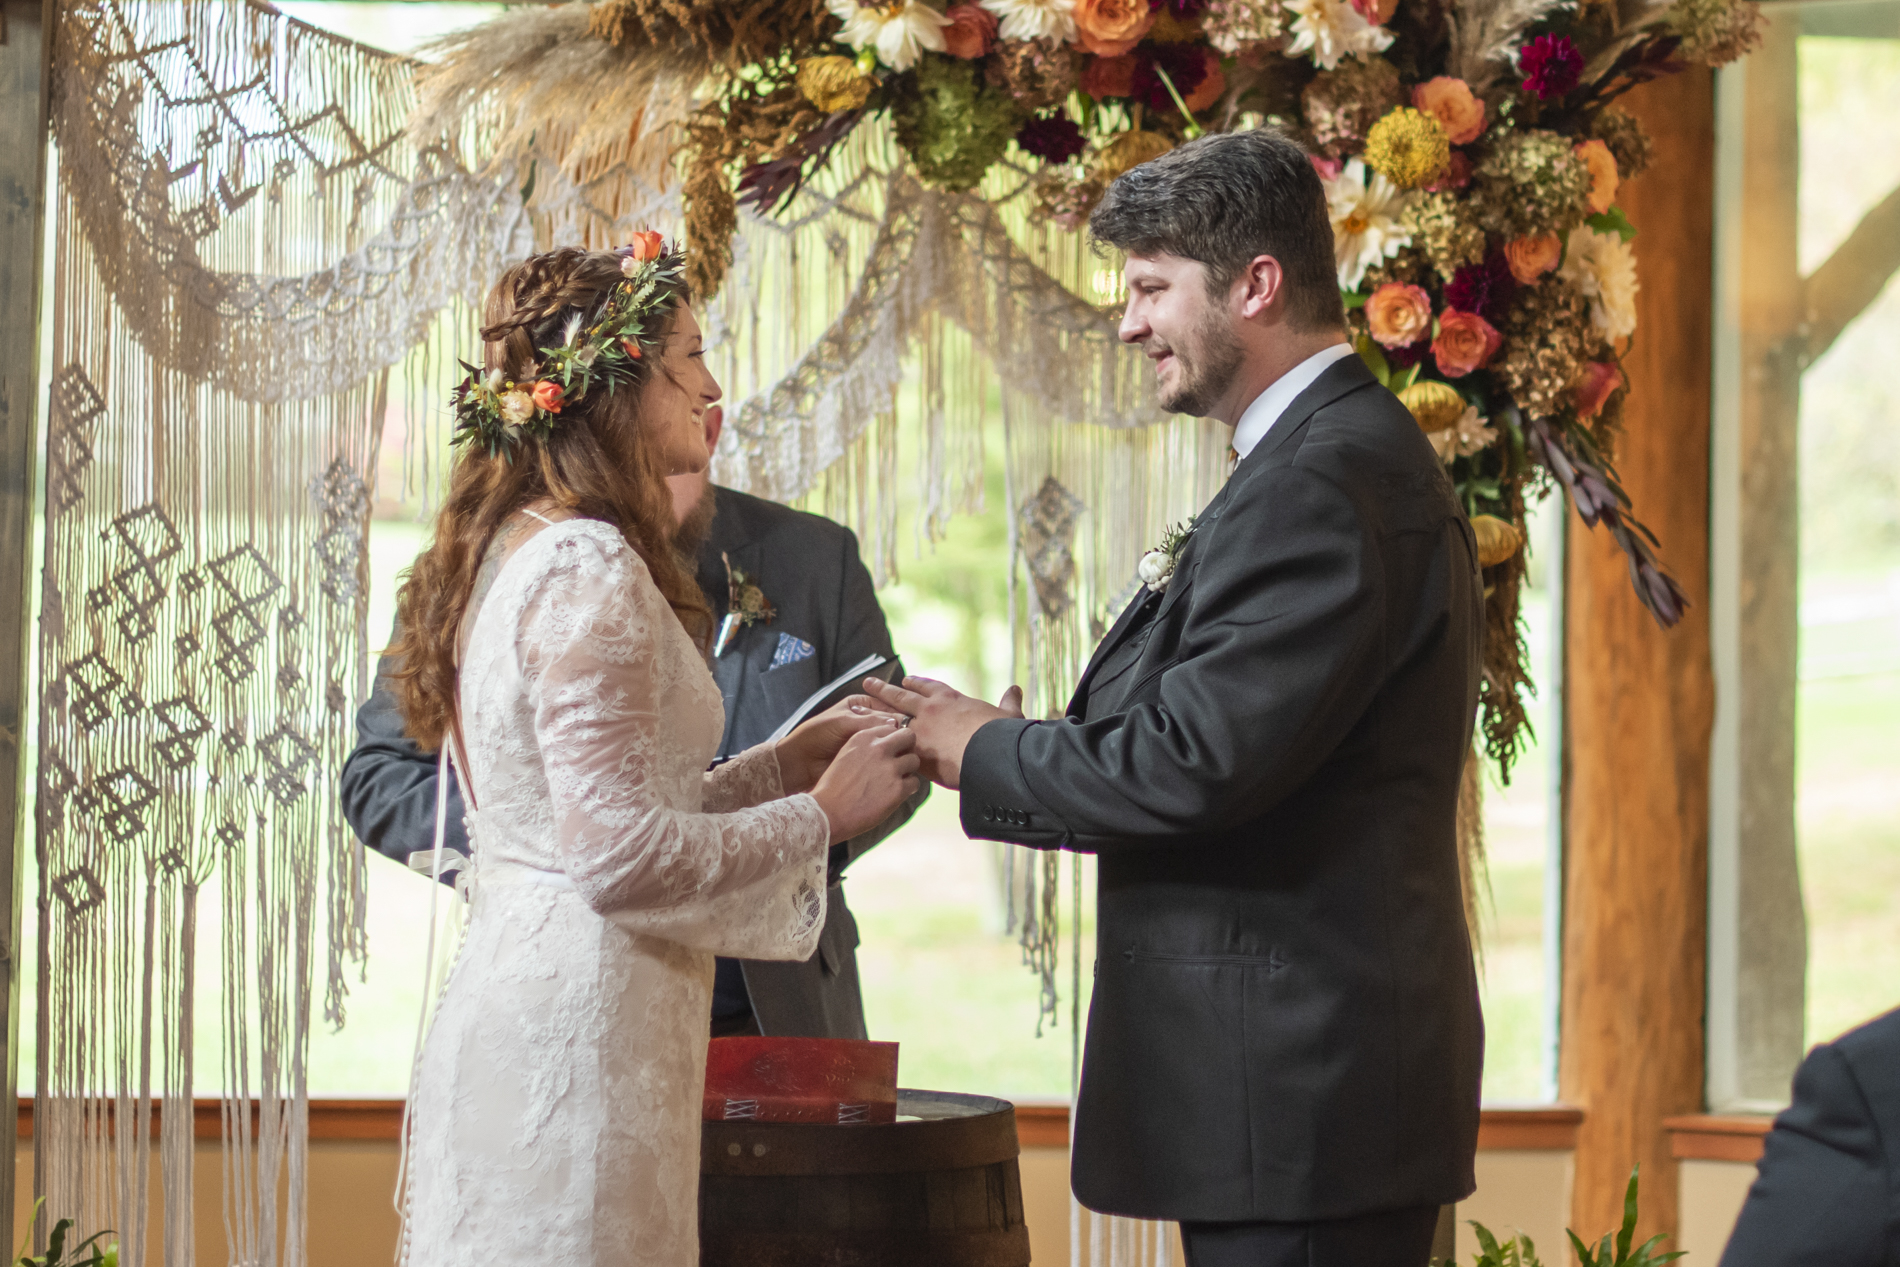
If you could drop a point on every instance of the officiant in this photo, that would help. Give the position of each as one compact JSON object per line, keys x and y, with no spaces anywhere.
{"x":796,"y":610}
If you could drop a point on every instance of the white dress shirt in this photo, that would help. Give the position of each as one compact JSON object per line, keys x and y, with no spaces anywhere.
{"x":1271,"y":403}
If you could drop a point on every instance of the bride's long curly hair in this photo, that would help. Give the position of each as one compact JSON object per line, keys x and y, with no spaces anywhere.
{"x":597,"y":463}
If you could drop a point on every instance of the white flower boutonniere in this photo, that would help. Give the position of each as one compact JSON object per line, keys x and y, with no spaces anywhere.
{"x":1156,"y":568}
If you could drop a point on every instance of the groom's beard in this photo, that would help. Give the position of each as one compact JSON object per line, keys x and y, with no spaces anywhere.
{"x":1209,"y":358}
{"x":690,"y":537}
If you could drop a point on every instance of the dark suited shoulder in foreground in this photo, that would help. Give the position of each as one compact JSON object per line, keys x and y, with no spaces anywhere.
{"x":1827,"y":1192}
{"x":1285,"y":1024}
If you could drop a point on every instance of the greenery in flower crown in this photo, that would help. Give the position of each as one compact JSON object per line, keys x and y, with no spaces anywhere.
{"x":599,"y":351}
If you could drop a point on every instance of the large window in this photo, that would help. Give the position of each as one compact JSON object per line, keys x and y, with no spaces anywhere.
{"x":1848,"y":730}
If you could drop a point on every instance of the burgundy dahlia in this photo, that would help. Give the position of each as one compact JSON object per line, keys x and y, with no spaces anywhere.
{"x":1485,"y":289}
{"x":1053,"y":138}
{"x":1183,"y":64}
{"x":1551,"y":66}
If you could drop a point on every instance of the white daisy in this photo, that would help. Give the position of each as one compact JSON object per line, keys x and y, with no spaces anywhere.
{"x":1366,"y":211}
{"x":1463,"y":438}
{"x":900,"y":31}
{"x":1331,"y":30}
{"x":1603,"y":269}
{"x":1034,"y":19}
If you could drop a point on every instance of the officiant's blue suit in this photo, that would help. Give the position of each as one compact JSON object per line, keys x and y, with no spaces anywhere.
{"x":1266,"y":760}
{"x":827,"y":619}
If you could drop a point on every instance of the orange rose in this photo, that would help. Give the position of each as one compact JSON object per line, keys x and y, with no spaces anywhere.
{"x":1212,"y":84}
{"x":1530,"y":258}
{"x":631,"y":348}
{"x":548,"y":395}
{"x":1601,"y":164}
{"x":1450,"y":102}
{"x":646,"y":246}
{"x":1109,"y":28}
{"x":971,"y":31}
{"x":1465,"y":342}
{"x":1399,"y":315}
{"x":1595,"y":386}
{"x":1106,"y":77}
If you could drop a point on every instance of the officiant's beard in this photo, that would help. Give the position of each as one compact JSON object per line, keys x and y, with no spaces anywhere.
{"x":1209,"y":358}
{"x":697,"y":525}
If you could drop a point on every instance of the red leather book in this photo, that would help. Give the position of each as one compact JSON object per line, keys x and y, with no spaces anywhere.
{"x":764,"y":1079}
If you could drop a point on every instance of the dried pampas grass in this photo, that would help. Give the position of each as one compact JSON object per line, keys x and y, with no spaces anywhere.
{"x":559,"y":93}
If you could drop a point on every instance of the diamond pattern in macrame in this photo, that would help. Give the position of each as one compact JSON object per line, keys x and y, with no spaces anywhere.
{"x":75,"y":405}
{"x":79,"y":890}
{"x":149,"y":541}
{"x":1047,"y":539}
{"x":343,"y":501}
{"x":118,"y":800}
{"x":185,"y":724}
{"x":246,"y":583}
{"x":89,"y":684}
{"x":287,"y":754}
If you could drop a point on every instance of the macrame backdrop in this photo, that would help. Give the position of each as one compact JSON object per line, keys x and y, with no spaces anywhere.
{"x":254,"y":263}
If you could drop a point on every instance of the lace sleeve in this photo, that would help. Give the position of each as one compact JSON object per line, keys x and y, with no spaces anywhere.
{"x":749,"y":882}
{"x":751,"y":778}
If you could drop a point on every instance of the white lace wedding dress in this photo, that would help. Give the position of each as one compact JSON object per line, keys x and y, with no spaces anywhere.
{"x":556,"y":1114}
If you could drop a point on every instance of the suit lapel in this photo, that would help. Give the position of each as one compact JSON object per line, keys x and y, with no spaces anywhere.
{"x":1346,"y":375}
{"x":1125,"y":624}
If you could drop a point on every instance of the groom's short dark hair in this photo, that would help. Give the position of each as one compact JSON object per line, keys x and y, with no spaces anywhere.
{"x":1223,"y":200}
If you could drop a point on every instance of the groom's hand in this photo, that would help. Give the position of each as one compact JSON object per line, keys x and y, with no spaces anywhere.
{"x":944,"y":719}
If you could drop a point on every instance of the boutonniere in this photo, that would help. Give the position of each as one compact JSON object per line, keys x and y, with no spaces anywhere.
{"x":1156,"y":568}
{"x":746,"y":604}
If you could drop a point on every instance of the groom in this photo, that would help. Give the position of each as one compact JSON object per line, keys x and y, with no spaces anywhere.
{"x":1284,"y":1045}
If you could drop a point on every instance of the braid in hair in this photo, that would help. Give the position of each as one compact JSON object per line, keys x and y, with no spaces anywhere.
{"x":595,"y":463}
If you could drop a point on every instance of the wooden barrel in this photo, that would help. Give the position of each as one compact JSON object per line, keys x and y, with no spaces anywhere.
{"x":937,"y":1188}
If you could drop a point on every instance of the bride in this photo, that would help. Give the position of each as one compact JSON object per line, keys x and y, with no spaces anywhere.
{"x":555,"y":642}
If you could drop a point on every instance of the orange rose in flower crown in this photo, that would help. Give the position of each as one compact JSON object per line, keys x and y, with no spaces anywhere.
{"x":1465,"y":342}
{"x":1399,"y":315}
{"x":1109,"y":28}
{"x":548,"y":395}
{"x":646,"y":245}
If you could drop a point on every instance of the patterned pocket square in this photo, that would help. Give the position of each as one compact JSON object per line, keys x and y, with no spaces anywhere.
{"x":790,"y":651}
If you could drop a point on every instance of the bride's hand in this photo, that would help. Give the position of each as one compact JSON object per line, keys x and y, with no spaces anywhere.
{"x":874,"y":773}
{"x":804,"y":754}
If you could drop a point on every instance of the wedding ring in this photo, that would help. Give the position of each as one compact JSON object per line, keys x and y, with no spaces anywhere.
{"x":903,"y":723}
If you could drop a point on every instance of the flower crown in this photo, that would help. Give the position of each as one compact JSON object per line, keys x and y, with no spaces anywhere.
{"x":601,"y":352}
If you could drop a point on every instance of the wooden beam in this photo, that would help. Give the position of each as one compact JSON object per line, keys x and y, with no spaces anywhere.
{"x":25,"y":41}
{"x":1638,"y":706}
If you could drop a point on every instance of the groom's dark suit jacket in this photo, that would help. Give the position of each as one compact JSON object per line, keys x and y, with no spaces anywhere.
{"x":828,"y":619}
{"x":1266,"y":760}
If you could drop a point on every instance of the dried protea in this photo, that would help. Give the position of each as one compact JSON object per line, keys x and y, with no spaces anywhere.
{"x":1036,"y":73}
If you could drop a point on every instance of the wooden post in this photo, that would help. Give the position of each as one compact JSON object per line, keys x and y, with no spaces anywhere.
{"x":1638,"y":707}
{"x":25,"y":42}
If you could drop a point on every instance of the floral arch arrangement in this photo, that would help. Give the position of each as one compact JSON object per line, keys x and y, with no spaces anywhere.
{"x":1470,"y":150}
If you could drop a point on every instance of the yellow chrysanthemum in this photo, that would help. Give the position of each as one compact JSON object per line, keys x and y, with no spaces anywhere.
{"x":1408,"y":147}
{"x":834,"y":83}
